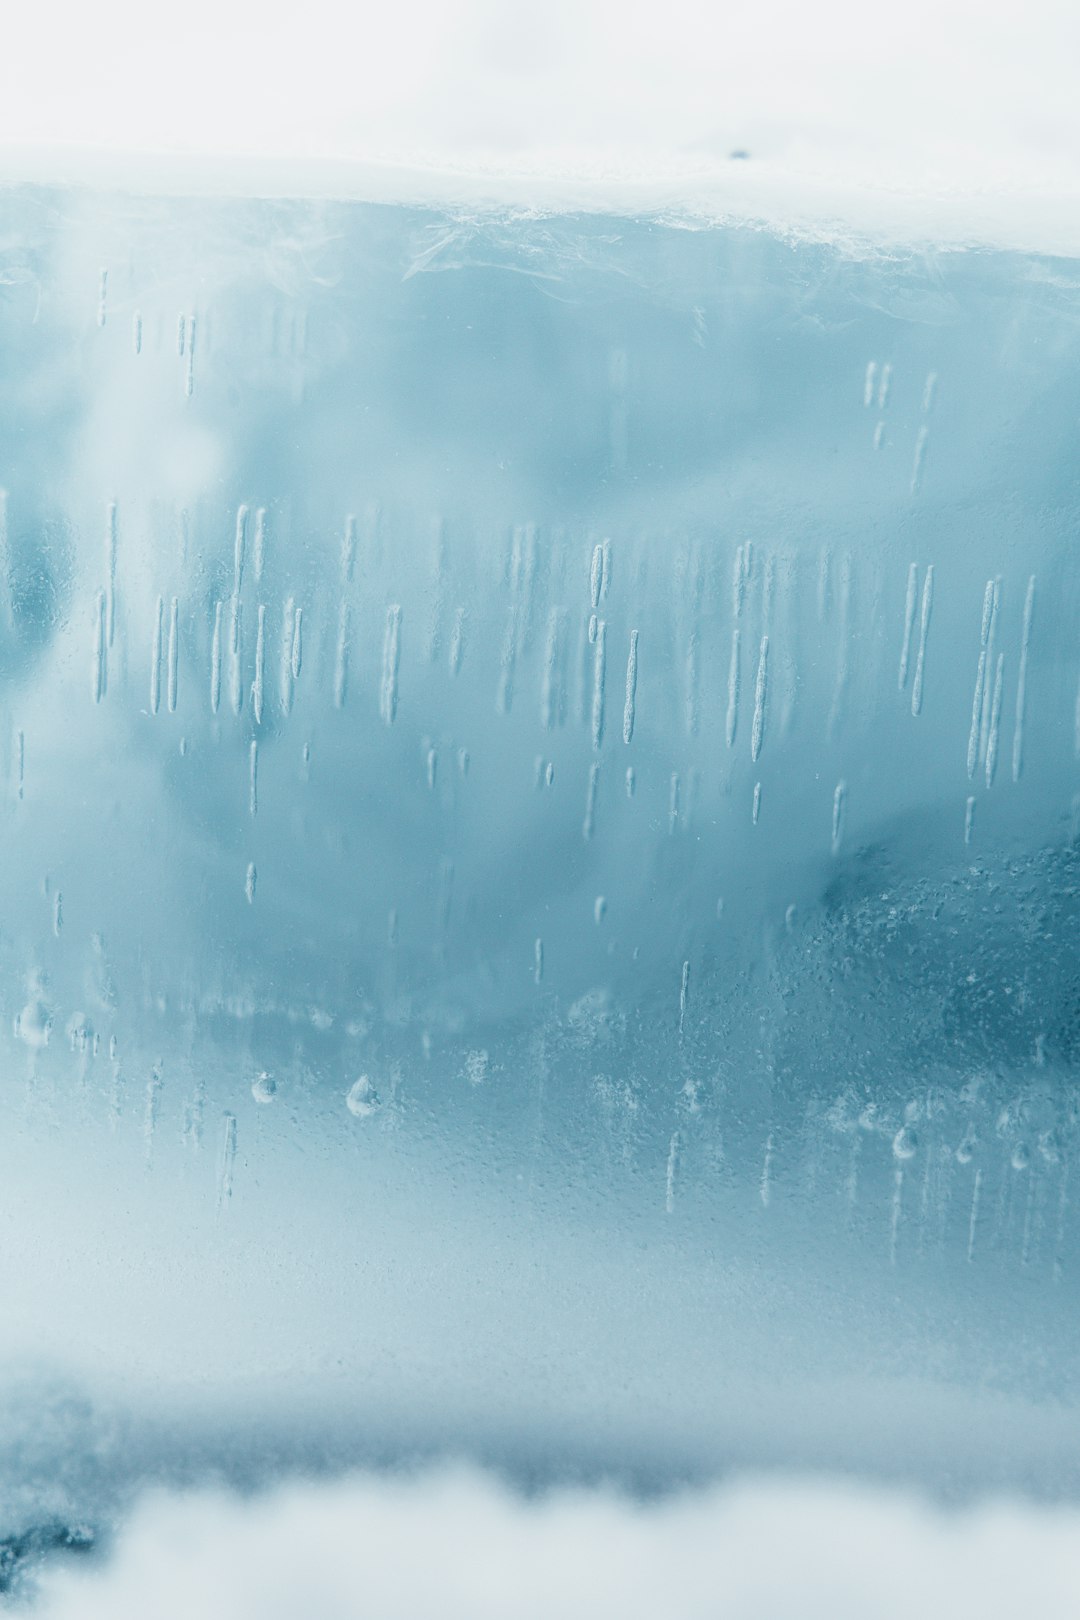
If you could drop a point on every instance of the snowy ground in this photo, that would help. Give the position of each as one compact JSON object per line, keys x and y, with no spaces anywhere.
{"x":928,"y":122}
{"x":458,"y":1543}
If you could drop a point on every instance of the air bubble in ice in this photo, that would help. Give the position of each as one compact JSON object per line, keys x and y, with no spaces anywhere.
{"x":363,"y":1099}
{"x":476,"y":1067}
{"x":1050,"y":1146}
{"x":263,"y":1088}
{"x":905,"y":1143}
{"x":35,"y":1021}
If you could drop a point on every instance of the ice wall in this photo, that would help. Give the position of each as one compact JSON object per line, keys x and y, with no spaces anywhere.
{"x":540,"y":906}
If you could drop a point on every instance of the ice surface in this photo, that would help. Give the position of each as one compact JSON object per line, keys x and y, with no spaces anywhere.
{"x":541,"y":903}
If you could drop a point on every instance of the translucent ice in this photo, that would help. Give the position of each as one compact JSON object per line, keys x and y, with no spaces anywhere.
{"x":540,"y":793}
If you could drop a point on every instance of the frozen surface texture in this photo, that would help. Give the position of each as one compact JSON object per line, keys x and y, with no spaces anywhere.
{"x":539,"y":795}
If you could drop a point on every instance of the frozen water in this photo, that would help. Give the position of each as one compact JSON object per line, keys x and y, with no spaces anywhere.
{"x":540,"y":796}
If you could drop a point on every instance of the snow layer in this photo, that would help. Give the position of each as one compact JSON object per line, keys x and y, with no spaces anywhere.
{"x":458,"y":1543}
{"x":938,"y":122}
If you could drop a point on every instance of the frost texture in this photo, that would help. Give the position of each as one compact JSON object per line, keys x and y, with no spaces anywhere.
{"x":540,"y":911}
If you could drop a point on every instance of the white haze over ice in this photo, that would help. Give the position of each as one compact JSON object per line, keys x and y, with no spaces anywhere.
{"x":461,"y":1546}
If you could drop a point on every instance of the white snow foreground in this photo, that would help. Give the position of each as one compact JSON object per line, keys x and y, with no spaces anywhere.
{"x":456,"y":1543}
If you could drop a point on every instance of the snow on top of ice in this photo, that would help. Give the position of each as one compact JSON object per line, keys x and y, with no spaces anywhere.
{"x":941,"y":120}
